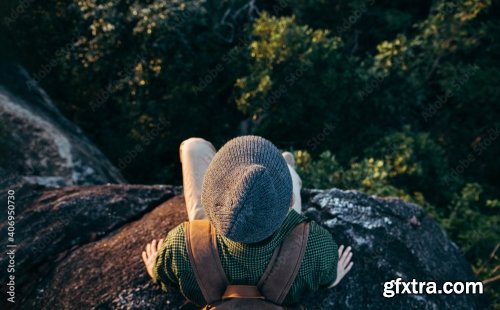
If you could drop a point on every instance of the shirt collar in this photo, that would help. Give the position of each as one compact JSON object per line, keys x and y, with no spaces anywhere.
{"x":292,"y":219}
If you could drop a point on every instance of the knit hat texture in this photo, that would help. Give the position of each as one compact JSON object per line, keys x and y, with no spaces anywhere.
{"x":247,"y":189}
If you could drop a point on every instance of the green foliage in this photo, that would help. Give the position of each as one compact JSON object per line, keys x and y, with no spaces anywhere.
{"x":391,"y":98}
{"x":287,"y":60}
{"x":467,"y":222}
{"x":139,"y":75}
{"x":470,"y":219}
{"x":395,"y":165}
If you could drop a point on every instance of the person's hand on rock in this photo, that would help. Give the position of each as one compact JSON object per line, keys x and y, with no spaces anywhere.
{"x":149,"y":256}
{"x":344,"y":264}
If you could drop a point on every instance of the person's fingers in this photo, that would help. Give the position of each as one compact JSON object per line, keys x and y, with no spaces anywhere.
{"x":144,"y":257}
{"x":346,"y":251}
{"x":349,"y":267}
{"x":152,"y":248}
{"x":341,"y":251}
{"x":345,"y":258}
{"x":346,"y":269}
{"x":348,"y":259}
{"x":344,"y":255}
{"x":159,"y":245}
{"x":342,"y":260}
{"x":343,"y":263}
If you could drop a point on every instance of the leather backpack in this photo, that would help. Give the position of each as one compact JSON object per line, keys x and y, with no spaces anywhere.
{"x":274,"y":284}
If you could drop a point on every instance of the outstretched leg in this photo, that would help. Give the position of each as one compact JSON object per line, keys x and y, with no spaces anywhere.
{"x":297,"y":182}
{"x":195,"y":154}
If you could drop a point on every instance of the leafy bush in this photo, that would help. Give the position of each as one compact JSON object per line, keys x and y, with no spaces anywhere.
{"x":470,"y":219}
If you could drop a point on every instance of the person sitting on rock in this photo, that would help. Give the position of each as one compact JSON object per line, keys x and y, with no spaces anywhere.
{"x":250,"y":194}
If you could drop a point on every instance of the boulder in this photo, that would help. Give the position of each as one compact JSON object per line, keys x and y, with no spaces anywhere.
{"x":80,"y":247}
{"x":51,"y":223}
{"x":391,"y":239}
{"x":39,"y":143}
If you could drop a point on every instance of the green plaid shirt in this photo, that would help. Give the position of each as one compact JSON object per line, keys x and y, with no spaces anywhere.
{"x":245,"y":263}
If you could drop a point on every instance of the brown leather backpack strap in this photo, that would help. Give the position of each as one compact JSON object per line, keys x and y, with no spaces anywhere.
{"x":284,"y":265}
{"x":201,"y":244}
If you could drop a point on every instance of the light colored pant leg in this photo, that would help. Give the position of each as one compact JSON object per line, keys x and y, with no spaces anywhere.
{"x":196,"y":154}
{"x":297,"y":185}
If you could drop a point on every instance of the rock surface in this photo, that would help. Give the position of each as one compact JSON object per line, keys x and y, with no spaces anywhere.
{"x":52,"y":223}
{"x":92,"y":237}
{"x":391,"y":239}
{"x":39,"y":143}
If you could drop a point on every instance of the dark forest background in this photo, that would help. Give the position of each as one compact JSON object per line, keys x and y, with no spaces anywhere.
{"x":393,"y":98}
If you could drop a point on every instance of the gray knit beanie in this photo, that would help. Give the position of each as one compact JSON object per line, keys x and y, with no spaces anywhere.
{"x":247,"y":189}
